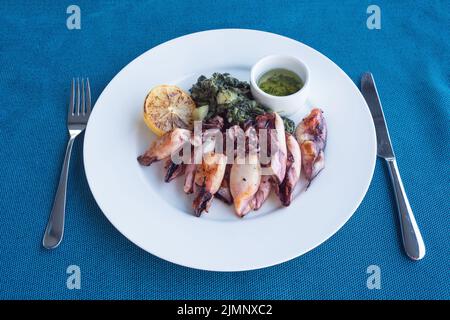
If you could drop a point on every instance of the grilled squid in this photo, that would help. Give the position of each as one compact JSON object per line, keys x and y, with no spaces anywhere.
{"x":293,"y":169}
{"x":165,"y":146}
{"x":245,"y":175}
{"x":208,"y":177}
{"x":224,"y":192}
{"x":311,"y":134}
{"x":245,"y":178}
{"x":173,"y":170}
{"x":263,"y":192}
{"x":276,"y":142}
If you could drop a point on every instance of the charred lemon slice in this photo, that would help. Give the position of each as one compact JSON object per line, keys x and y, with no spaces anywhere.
{"x":168,"y":107}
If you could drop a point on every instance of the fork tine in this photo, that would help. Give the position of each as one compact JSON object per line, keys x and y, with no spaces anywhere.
{"x":72,"y":98}
{"x":77,"y":112}
{"x":83,"y":100}
{"x":88,"y":97}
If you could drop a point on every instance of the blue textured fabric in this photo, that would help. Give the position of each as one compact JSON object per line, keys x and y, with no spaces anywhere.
{"x":409,"y":57}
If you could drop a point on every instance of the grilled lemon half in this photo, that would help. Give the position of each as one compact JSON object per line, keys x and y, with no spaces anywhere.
{"x":168,"y":107}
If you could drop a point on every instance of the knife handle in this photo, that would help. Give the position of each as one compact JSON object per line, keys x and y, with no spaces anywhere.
{"x":412,"y":239}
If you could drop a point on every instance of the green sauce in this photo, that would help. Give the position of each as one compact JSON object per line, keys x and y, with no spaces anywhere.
{"x":280,"y":82}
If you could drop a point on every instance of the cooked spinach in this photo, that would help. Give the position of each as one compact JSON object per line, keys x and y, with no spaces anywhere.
{"x":229,"y":98}
{"x":289,"y":125}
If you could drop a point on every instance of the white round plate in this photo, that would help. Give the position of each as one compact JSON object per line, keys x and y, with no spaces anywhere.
{"x":157,"y":216}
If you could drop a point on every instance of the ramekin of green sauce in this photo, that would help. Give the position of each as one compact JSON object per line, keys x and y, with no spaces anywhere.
{"x":280,"y":82}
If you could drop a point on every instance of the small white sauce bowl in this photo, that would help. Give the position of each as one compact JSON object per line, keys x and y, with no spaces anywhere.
{"x":285,"y":105}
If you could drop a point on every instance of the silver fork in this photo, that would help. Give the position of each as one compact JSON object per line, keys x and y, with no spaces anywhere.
{"x":77,"y":118}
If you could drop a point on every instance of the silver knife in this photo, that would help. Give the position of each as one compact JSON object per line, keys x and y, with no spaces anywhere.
{"x":412,"y":239}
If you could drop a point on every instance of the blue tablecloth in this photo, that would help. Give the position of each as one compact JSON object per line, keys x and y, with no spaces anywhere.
{"x":409,"y":57}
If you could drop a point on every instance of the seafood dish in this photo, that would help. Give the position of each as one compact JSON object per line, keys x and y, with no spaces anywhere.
{"x":226,"y":146}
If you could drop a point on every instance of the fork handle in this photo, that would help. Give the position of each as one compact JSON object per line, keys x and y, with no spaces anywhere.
{"x":55,"y":226}
{"x":412,"y":239}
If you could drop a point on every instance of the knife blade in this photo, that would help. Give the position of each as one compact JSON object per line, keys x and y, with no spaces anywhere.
{"x":370,"y":93}
{"x":411,"y":237}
